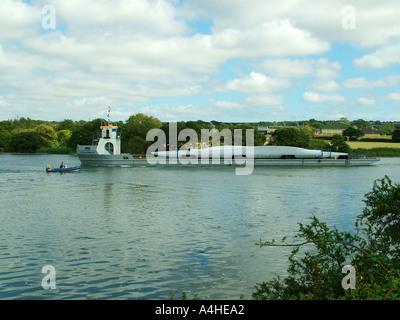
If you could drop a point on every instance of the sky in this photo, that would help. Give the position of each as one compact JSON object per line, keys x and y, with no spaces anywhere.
{"x":181,"y":60}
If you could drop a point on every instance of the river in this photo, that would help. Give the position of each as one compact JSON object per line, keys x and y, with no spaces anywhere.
{"x":145,"y":233}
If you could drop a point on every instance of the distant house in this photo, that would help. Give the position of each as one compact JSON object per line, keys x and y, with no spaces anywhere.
{"x":333,"y":128}
{"x":268,"y":130}
{"x":374,"y":132}
{"x":263,"y":129}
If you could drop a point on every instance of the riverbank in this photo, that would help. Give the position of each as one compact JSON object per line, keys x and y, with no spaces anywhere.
{"x":379,"y":152}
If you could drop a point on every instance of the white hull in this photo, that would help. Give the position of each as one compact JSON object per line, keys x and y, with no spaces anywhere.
{"x":260,"y":152}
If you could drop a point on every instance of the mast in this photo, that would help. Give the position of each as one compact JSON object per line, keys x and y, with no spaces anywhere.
{"x":108,"y":116}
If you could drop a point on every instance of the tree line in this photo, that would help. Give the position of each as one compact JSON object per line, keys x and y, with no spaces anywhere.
{"x":25,"y":135}
{"x":38,"y":136}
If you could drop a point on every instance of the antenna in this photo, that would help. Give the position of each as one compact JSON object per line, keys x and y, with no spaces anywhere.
{"x":108,"y":115}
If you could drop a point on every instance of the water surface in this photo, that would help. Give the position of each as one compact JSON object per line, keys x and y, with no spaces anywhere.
{"x":142,"y":233}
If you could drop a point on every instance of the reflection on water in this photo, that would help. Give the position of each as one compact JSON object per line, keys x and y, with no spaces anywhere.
{"x":140,"y":233}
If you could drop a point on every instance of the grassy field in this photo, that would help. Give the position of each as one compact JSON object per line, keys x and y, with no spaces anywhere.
{"x":374,"y":148}
{"x":372,"y":145}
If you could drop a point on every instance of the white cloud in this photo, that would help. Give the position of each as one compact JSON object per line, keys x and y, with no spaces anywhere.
{"x":322,"y":70}
{"x":395,"y":96}
{"x":126,"y":52}
{"x":264,"y":100}
{"x":228,"y":105}
{"x":18,"y":20}
{"x":321,"y":85}
{"x":288,"y":68}
{"x":118,"y":17}
{"x":366,"y":101}
{"x":376,"y":22}
{"x":257,"y":82}
{"x":381,"y":58}
{"x":317,"y":97}
{"x":364,"y":83}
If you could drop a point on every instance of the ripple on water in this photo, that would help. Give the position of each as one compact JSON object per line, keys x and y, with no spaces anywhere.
{"x":142,"y":233}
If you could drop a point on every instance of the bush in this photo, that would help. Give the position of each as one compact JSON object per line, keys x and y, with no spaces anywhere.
{"x":396,"y":135}
{"x":27,"y":141}
{"x":339,"y":144}
{"x":59,"y":150}
{"x":290,"y":137}
{"x":373,"y":250}
{"x":378,"y":152}
{"x":136,"y":145}
{"x":318,"y":144}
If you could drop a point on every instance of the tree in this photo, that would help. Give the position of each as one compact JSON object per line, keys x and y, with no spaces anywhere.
{"x":344,"y":120}
{"x":373,"y":250}
{"x":139,"y":124}
{"x":67,"y":124}
{"x":5,"y":138}
{"x":353,"y":133}
{"x":259,"y":138}
{"x":315,"y":124}
{"x":290,"y":137}
{"x":48,"y":134}
{"x":381,"y":219}
{"x":63,"y":137}
{"x":388,"y":127}
{"x":338,"y":144}
{"x":136,"y":145}
{"x":396,"y":135}
{"x":362,"y":124}
{"x":85,"y":132}
{"x":27,"y":141}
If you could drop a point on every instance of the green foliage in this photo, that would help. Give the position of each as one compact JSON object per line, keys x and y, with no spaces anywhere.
{"x":396,"y":135}
{"x":48,"y":134}
{"x":63,"y":137}
{"x":84,"y":133}
{"x":136,"y":145}
{"x":379,"y":152}
{"x":318,"y":144}
{"x":291,"y":137}
{"x":66,"y":125}
{"x":27,"y":141}
{"x":380,"y":219}
{"x":373,"y":250}
{"x":5,"y":138}
{"x":259,"y":138}
{"x":139,"y":124}
{"x":388,"y":127}
{"x":54,"y":150}
{"x":69,"y":133}
{"x":353,"y":133}
{"x":362,"y":124}
{"x":338,"y":144}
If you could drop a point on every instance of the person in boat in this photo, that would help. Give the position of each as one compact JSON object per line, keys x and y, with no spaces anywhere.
{"x":62,"y":165}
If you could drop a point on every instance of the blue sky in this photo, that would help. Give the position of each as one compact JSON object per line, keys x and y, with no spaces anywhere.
{"x":225,"y":60}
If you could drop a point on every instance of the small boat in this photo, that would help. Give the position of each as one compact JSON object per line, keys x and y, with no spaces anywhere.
{"x":64,"y":169}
